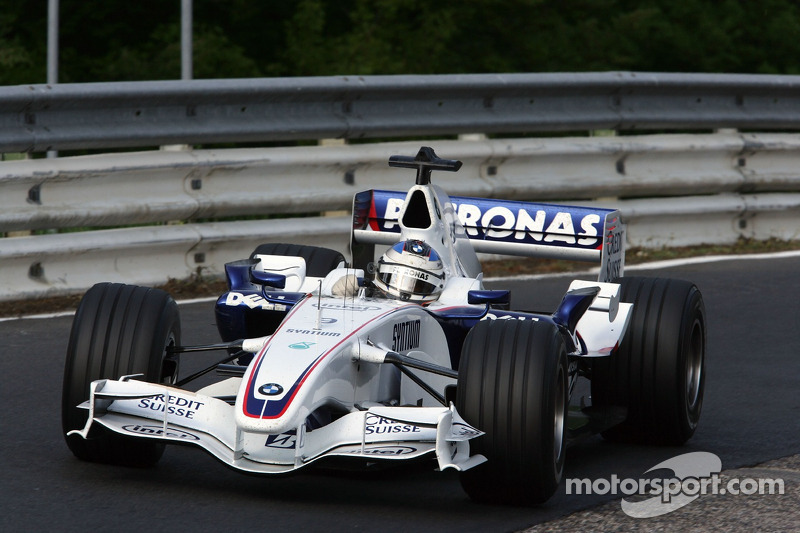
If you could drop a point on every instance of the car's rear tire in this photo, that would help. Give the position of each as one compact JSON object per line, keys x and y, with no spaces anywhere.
{"x":118,"y":330}
{"x":658,"y":371}
{"x":512,"y":384}
{"x":319,"y":261}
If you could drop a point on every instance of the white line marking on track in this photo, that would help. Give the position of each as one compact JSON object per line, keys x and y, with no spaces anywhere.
{"x":656,"y":265}
{"x":670,"y":263}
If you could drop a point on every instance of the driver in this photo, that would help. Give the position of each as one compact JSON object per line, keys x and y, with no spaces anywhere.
{"x":411,"y":270}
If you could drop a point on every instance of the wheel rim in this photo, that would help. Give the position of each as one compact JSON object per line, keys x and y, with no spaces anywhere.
{"x":559,"y":415}
{"x":694,"y":366}
{"x":169,"y":364}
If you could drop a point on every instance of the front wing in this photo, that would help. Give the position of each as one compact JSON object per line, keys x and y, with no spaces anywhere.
{"x":146,"y":410}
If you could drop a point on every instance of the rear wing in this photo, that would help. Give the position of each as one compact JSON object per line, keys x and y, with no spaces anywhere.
{"x":507,"y":228}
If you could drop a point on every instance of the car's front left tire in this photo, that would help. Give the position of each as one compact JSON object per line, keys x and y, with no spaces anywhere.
{"x":513,"y":385}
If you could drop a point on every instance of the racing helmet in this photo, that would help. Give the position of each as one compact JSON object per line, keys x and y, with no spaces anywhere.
{"x":411,"y":270}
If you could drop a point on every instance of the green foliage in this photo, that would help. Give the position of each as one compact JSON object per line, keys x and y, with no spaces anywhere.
{"x":22,"y":59}
{"x":117,"y":40}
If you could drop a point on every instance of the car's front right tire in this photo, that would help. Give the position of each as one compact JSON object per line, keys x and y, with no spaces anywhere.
{"x":658,"y":371}
{"x":118,"y":330}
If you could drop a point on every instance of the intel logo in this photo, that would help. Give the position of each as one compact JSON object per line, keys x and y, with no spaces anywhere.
{"x":159,"y":431}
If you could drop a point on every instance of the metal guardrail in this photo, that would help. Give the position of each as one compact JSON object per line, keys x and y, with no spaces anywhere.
{"x":671,"y":189}
{"x":161,"y":186}
{"x":130,"y":114}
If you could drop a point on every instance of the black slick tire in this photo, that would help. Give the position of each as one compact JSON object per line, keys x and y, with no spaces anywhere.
{"x":118,"y":330}
{"x":319,"y":261}
{"x":658,"y":371}
{"x":512,"y":384}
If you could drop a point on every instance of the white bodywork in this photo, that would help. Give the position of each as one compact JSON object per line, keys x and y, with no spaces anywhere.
{"x":328,"y":356}
{"x":296,"y":371}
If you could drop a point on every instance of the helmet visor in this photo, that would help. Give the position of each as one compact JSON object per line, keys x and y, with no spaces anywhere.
{"x":408,"y":279}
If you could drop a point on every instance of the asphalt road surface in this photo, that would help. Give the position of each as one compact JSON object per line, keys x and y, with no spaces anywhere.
{"x":750,"y":415}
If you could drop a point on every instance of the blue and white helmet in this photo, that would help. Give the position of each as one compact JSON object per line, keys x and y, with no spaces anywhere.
{"x":411,"y":270}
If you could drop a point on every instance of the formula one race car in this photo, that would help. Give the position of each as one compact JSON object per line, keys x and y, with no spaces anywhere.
{"x":402,"y":354}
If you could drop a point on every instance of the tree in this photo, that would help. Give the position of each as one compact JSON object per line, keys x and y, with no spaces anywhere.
{"x":118,"y":40}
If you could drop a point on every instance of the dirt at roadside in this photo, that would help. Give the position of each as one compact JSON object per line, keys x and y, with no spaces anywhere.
{"x":198,"y":287}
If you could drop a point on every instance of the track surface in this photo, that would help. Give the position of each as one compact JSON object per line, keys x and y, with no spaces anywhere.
{"x":749,"y":416}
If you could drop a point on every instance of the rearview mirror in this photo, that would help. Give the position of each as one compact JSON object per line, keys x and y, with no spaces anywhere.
{"x":268,"y":278}
{"x":488,"y":297}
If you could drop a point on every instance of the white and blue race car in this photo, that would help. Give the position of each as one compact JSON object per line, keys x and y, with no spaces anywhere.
{"x":401,"y":354}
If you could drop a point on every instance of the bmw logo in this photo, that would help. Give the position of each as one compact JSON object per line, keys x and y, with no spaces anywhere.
{"x":270,"y":389}
{"x":417,"y":248}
